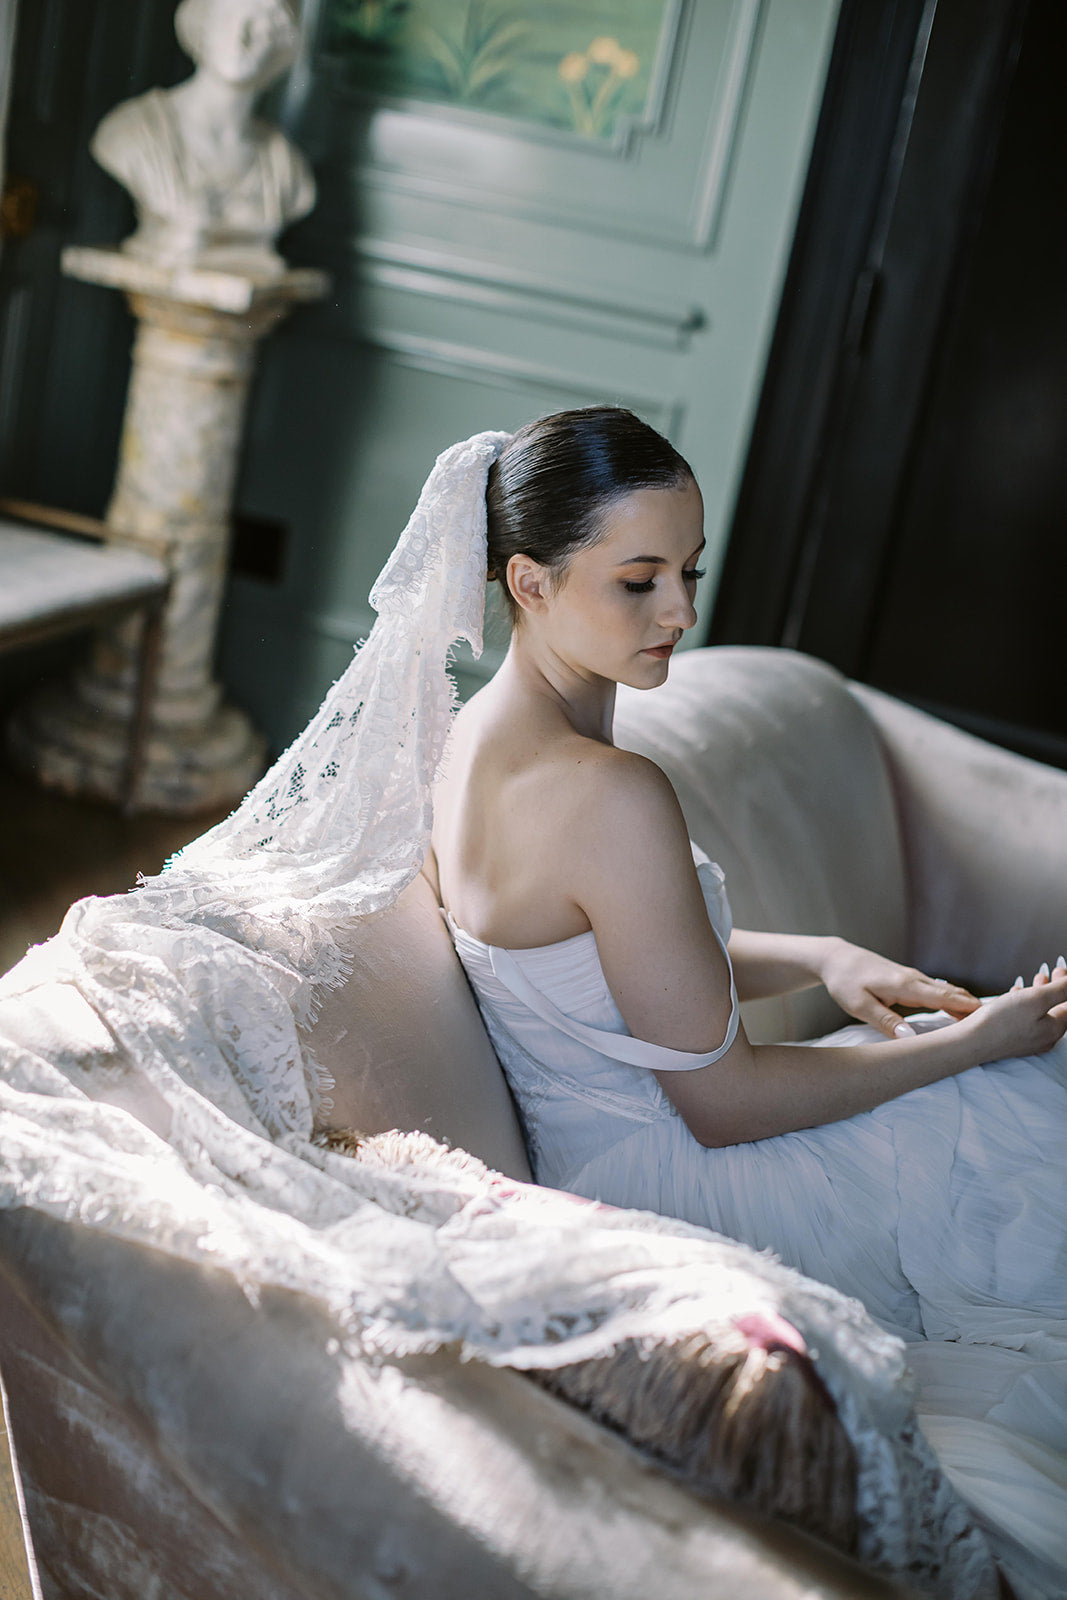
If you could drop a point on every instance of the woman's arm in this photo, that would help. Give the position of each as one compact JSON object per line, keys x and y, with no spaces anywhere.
{"x":629,"y":858}
{"x":767,"y":964}
{"x":757,"y":1091}
{"x":864,"y":984}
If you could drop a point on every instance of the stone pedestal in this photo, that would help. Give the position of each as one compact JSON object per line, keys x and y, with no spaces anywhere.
{"x":192,"y":363}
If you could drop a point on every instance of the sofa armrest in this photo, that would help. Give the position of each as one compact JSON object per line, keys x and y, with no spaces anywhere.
{"x":179,"y":1439}
{"x":985,"y":844}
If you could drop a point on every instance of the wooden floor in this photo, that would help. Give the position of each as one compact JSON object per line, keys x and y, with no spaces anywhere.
{"x":54,"y":851}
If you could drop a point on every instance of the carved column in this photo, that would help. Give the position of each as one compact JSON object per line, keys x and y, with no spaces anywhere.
{"x":192,"y":364}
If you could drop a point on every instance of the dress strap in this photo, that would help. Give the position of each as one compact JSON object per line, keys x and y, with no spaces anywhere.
{"x":619,"y":1046}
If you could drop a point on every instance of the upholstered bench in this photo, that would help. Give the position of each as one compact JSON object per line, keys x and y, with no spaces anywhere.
{"x":52,"y":584}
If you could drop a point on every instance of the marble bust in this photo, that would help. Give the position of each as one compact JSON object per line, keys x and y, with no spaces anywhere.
{"x":213,"y":184}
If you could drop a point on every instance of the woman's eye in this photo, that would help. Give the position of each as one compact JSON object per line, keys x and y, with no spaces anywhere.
{"x":643,"y":588}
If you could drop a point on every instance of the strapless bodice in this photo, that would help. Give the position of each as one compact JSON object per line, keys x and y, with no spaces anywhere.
{"x":560,"y":983}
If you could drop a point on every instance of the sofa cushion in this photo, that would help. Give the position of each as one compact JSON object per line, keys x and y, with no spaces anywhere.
{"x":404,"y":1042}
{"x":782,"y":780}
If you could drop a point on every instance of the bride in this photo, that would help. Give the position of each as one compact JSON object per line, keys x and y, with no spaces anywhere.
{"x":887,"y":1160}
{"x":548,"y":836}
{"x":600,"y":947}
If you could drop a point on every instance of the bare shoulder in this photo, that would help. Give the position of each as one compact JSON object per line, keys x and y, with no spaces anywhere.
{"x":625,"y":793}
{"x":629,"y":830}
{"x":635,"y":880}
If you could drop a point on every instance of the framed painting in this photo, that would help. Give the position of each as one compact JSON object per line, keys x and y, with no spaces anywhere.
{"x":594,"y":70}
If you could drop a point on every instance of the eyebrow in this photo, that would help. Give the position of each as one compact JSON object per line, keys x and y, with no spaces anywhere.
{"x":655,"y":561}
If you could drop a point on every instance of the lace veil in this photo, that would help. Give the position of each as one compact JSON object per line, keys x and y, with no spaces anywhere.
{"x":341,"y":823}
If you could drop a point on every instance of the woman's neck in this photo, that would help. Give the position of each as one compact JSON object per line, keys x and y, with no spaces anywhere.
{"x":587,"y":701}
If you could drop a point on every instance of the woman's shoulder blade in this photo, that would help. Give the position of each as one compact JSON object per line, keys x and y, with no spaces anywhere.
{"x":633,"y":797}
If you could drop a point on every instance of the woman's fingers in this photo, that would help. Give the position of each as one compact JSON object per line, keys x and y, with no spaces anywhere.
{"x":940,"y":995}
{"x":960,"y":1003}
{"x":892,"y":1024}
{"x":877,"y":1014}
{"x":1054,"y":993}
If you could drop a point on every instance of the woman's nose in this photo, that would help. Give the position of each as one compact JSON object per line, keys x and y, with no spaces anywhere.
{"x":678,"y":610}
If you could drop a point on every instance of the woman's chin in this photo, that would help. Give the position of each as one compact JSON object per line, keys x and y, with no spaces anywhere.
{"x":649,"y":672}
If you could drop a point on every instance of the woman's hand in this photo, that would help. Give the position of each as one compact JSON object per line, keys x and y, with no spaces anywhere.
{"x":866,"y":985}
{"x":1042,"y":975}
{"x":1024,"y":1021}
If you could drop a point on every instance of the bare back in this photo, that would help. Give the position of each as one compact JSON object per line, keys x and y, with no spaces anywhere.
{"x":542,"y":833}
{"x":504,"y":812}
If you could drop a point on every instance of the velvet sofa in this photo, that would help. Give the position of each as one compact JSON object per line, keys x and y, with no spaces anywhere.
{"x":241,"y":1457}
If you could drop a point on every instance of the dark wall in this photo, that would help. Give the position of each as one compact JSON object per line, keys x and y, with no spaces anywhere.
{"x":64,"y":345}
{"x":974,"y":592}
{"x":904,"y":501}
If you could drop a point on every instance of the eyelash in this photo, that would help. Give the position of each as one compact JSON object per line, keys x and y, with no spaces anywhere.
{"x":644,"y":588}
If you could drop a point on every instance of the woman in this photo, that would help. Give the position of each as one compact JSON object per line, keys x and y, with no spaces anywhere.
{"x":568,"y":878}
{"x":203,"y":974}
{"x":887,"y":1161}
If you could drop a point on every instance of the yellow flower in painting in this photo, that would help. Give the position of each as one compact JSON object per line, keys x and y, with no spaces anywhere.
{"x":604,"y":51}
{"x":573,"y":68}
{"x":594,"y":80}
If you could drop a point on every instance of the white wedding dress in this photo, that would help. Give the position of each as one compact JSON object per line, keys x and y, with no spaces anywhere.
{"x":944,"y":1211}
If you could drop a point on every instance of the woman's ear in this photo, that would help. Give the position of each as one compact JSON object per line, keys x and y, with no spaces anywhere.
{"x":529,"y":582}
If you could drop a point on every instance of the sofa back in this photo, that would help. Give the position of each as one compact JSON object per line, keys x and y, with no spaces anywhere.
{"x":404,"y":1041}
{"x":782,"y":779}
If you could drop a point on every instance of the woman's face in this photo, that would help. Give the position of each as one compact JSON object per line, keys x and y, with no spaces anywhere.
{"x":625,"y":601}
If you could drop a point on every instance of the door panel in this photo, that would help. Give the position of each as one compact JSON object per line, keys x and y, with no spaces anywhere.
{"x":488,"y":268}
{"x":660,"y":180}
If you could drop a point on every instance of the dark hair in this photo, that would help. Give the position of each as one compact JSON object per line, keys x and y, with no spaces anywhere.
{"x":547,"y":493}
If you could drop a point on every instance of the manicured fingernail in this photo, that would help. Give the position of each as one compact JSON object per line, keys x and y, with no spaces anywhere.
{"x":904,"y":1030}
{"x":1060,"y":962}
{"x":1043,"y":971}
{"x":1019,"y":984}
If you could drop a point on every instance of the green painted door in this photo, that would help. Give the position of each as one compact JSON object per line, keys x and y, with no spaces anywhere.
{"x":525,"y":207}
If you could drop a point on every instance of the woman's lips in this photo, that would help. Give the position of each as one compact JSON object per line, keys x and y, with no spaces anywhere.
{"x":660,"y":650}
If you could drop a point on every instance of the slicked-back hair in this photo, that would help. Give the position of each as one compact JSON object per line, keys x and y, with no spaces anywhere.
{"x":548,"y":491}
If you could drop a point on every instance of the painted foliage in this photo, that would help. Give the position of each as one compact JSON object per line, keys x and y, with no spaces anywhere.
{"x":586,"y":68}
